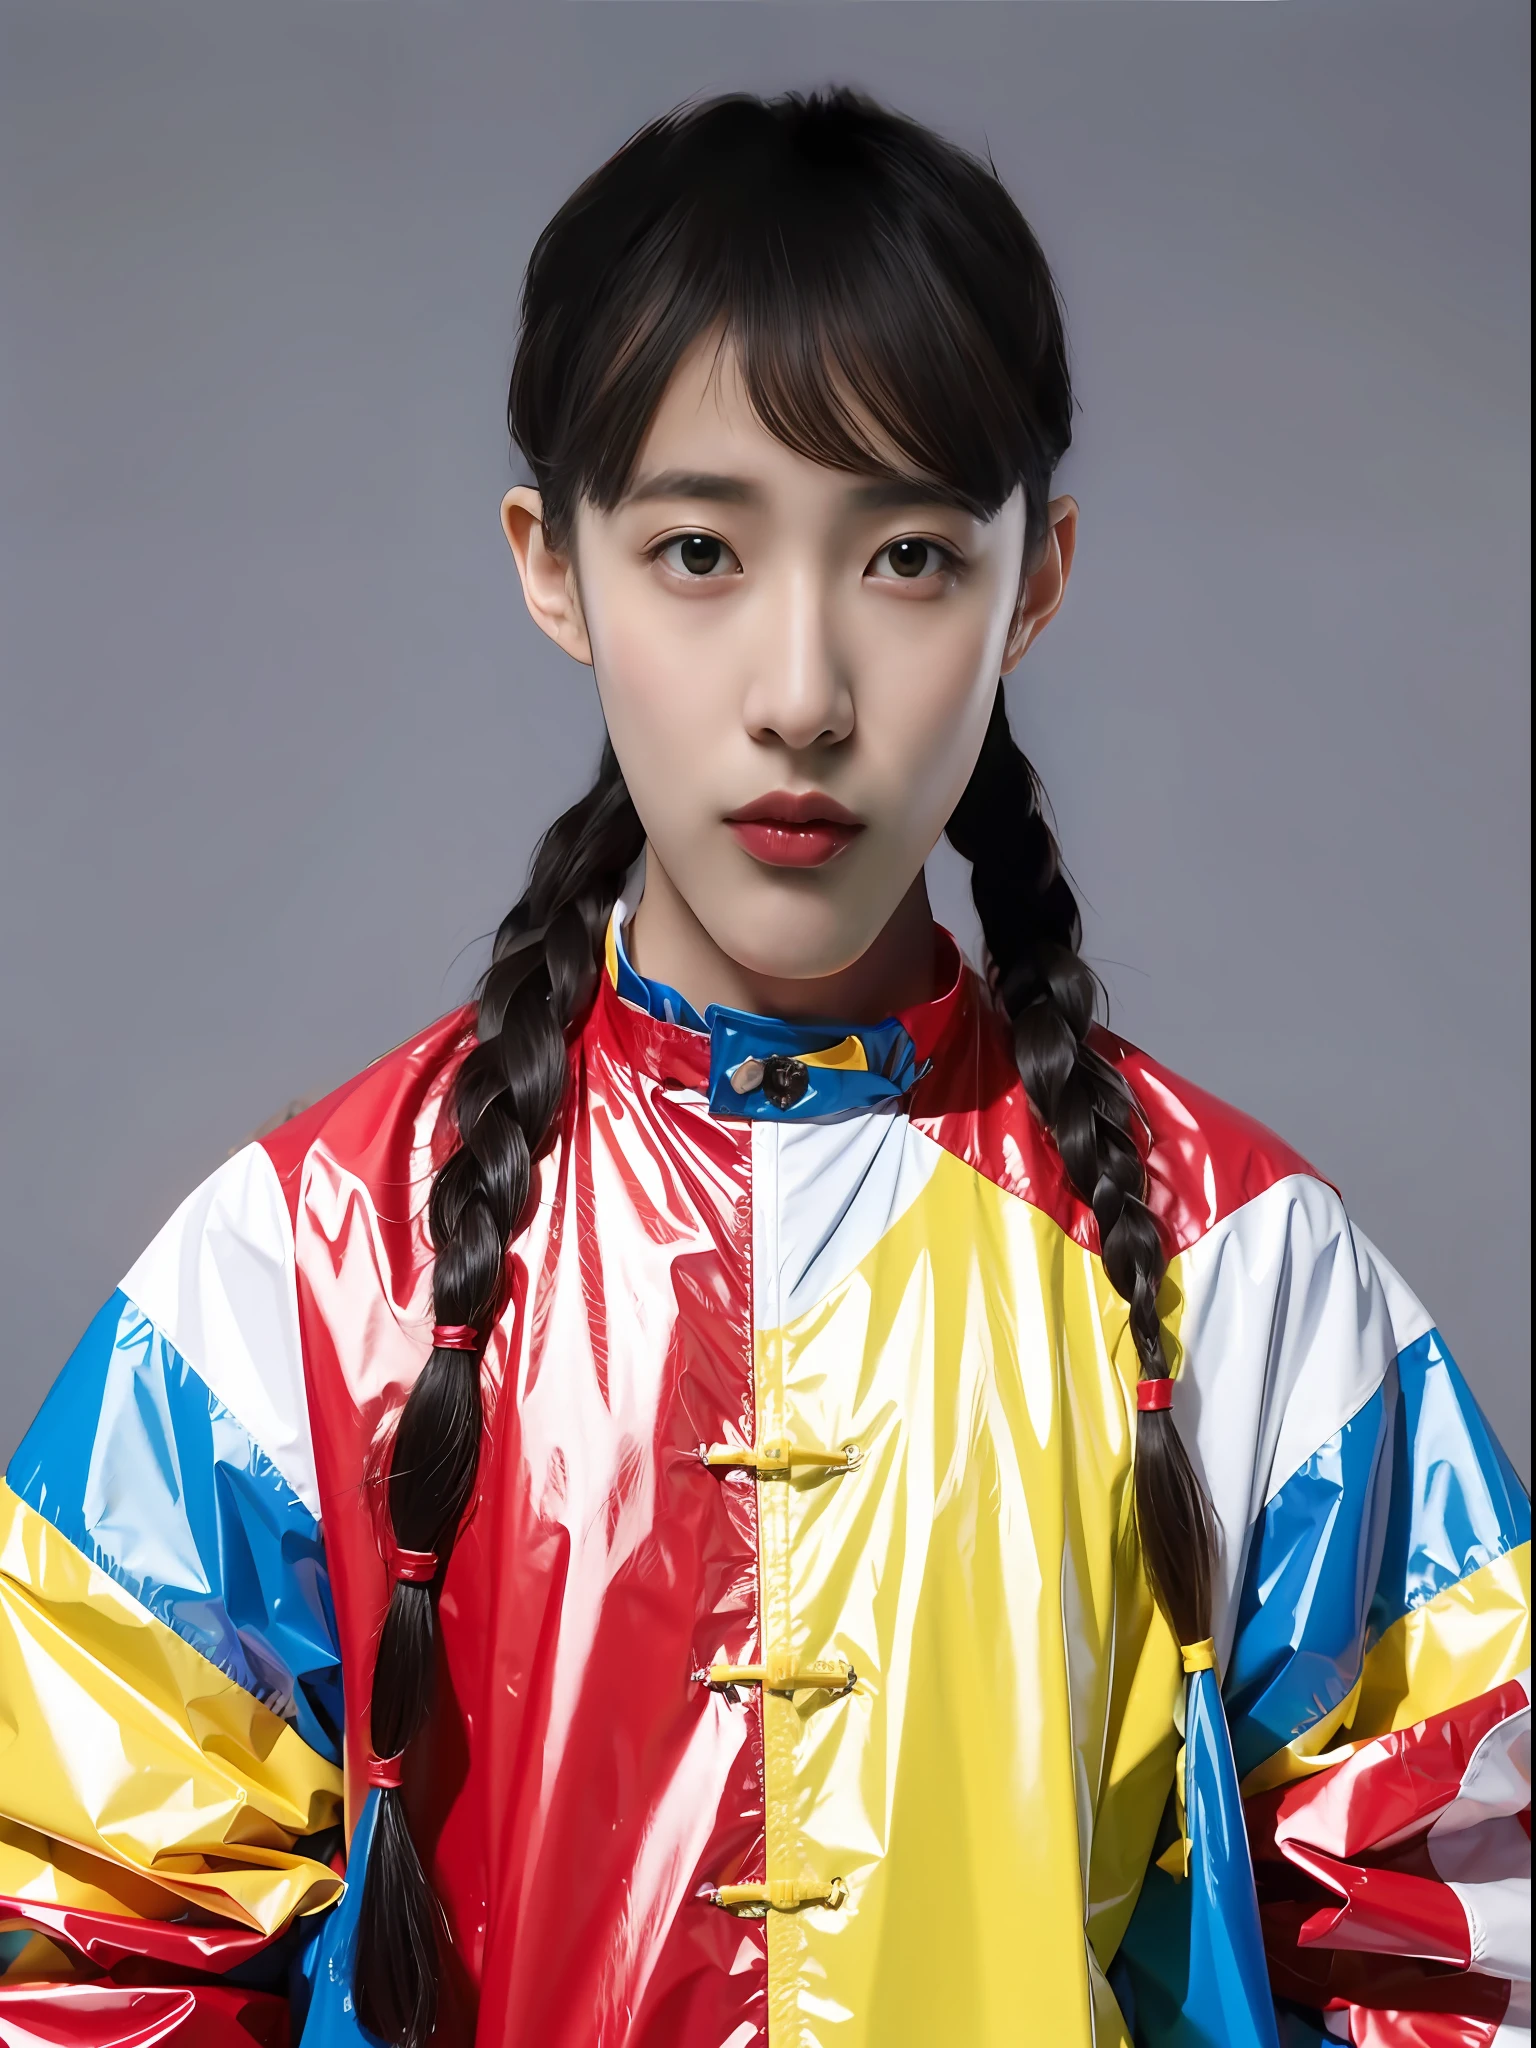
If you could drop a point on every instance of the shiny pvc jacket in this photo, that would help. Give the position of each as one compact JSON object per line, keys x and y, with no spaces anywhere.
{"x":800,"y":1684}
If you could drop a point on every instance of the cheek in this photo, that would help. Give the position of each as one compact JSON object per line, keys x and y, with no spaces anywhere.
{"x":632,"y":660}
{"x":923,"y":721}
{"x":662,"y":714}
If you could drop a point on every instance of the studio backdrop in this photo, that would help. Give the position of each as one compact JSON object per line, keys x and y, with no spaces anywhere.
{"x":277,"y":736}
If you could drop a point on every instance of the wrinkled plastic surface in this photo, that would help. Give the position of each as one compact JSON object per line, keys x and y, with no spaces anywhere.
{"x":123,"y":2016}
{"x":1229,"y":1995}
{"x":128,"y":1744}
{"x":167,"y":1493}
{"x":910,"y":1275}
{"x":579,"y":1787}
{"x":583,"y":1792}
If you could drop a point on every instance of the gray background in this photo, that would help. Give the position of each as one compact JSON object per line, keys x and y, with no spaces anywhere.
{"x":278,"y":735}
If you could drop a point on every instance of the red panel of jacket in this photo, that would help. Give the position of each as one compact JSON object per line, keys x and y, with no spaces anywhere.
{"x":572,"y":1794}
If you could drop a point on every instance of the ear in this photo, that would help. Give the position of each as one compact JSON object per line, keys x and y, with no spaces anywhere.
{"x":548,"y":579}
{"x":1042,"y":588}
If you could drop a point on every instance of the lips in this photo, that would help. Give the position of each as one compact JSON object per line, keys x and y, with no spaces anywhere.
{"x":784,"y":830}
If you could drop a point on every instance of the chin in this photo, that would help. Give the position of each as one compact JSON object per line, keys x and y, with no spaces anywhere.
{"x":804,"y":939}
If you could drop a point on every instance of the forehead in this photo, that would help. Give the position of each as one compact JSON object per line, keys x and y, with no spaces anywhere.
{"x":705,"y":419}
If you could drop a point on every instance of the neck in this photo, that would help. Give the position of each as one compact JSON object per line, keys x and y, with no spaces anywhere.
{"x":668,"y":943}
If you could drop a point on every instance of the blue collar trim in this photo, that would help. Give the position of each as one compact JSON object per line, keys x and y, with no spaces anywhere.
{"x":656,"y":998}
{"x":757,"y":1064}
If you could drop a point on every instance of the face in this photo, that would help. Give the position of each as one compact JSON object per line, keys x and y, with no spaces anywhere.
{"x":796,"y":665}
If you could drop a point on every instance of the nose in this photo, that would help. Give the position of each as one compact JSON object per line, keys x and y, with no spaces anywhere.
{"x":800,"y":693}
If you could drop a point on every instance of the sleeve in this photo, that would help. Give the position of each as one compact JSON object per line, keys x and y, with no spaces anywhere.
{"x":1373,"y":1647}
{"x":170,"y":1693}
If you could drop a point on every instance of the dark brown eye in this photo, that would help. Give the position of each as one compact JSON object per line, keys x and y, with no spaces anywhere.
{"x":699,"y":553}
{"x":912,"y":560}
{"x":701,"y":557}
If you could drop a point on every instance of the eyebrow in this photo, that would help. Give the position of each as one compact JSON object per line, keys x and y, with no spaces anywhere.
{"x":694,"y":483}
{"x":881,"y":494}
{"x":892,"y":492}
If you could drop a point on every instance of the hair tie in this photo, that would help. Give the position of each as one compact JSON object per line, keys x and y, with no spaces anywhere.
{"x":455,"y":1337}
{"x":1152,"y":1395}
{"x":384,"y":1771}
{"x":1199,"y":1656}
{"x":416,"y":1567}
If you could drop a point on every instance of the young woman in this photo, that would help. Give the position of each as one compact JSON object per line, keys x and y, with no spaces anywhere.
{"x":756,"y":1486}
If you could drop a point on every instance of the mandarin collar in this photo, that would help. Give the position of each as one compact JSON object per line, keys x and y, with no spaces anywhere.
{"x":899,"y":1049}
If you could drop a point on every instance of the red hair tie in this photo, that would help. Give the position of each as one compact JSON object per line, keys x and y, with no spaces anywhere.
{"x":1152,"y":1395}
{"x":384,"y":1771}
{"x":416,"y":1567}
{"x":454,"y":1337}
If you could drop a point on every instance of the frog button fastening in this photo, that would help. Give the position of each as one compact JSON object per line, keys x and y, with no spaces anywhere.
{"x":784,"y":1080}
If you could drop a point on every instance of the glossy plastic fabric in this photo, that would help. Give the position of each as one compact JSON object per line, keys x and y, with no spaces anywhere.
{"x":105,"y":1939}
{"x":325,"y":2016}
{"x":1457,"y":1503}
{"x":126,"y":1743}
{"x":874,"y":1065}
{"x":1411,"y":1497}
{"x":1229,"y":2001}
{"x":1383,"y":1628}
{"x":576,"y":1761}
{"x":1408,"y":1861}
{"x":138,"y":2016}
{"x":883,"y":1074}
{"x":1347,"y":1926}
{"x":135,"y":1461}
{"x":1193,"y":1972}
{"x":912,"y":1276}
{"x":1311,"y":1582}
{"x":604,"y":1562}
{"x":982,"y":1781}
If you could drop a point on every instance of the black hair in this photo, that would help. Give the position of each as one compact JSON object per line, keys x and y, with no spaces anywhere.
{"x":866,"y":271}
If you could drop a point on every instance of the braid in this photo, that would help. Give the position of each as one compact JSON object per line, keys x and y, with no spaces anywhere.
{"x":1032,"y":926}
{"x":506,"y":1097}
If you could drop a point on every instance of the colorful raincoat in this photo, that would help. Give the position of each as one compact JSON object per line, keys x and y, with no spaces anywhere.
{"x":799,"y":1680}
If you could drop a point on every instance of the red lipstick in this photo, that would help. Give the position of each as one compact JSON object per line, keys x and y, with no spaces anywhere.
{"x":785,"y":831}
